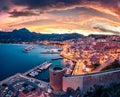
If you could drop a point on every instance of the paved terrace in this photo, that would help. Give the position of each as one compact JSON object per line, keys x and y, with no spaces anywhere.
{"x":16,"y":84}
{"x":19,"y":76}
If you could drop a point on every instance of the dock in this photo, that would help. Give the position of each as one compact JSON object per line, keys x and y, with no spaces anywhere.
{"x":49,"y":52}
{"x":57,"y":58}
{"x":38,"y":69}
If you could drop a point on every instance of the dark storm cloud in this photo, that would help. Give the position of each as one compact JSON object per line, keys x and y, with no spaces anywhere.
{"x":49,"y":5}
{"x":32,"y":4}
{"x":16,"y":13}
{"x":4,"y":5}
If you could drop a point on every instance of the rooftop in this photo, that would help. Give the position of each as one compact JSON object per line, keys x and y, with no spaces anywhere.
{"x":57,"y":68}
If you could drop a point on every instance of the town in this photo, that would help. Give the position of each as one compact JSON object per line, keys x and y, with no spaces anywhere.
{"x":92,"y":54}
{"x":89,"y":58}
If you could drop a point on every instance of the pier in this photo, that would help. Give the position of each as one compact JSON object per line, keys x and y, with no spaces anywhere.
{"x":35,"y":71}
{"x":49,"y":52}
{"x":57,"y":58}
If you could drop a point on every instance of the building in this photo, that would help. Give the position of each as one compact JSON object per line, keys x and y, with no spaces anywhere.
{"x":56,"y":77}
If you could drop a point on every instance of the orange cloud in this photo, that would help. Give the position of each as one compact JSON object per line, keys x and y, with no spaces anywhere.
{"x":75,"y":16}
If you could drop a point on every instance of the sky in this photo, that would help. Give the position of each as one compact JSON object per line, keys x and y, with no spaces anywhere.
{"x":61,"y":16}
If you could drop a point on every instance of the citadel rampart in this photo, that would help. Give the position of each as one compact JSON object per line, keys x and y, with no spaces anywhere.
{"x":85,"y":82}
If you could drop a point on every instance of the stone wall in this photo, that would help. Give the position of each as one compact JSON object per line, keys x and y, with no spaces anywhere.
{"x":85,"y":82}
{"x":73,"y":81}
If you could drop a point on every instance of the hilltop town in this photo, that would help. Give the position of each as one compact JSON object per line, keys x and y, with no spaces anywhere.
{"x":92,"y":54}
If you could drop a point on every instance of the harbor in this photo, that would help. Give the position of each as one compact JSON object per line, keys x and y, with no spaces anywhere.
{"x":19,"y":61}
{"x":37,"y":70}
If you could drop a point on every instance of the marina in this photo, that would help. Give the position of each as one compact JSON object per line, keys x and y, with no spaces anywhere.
{"x":37,"y":70}
{"x":20,"y":62}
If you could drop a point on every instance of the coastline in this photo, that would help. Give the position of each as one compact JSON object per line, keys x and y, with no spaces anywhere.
{"x":68,"y":58}
{"x":19,"y":62}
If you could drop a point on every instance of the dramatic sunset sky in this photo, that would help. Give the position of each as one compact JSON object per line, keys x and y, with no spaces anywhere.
{"x":61,"y":16}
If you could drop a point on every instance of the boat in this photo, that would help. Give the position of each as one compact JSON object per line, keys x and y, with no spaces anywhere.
{"x":27,"y":49}
{"x":53,"y":51}
{"x":33,"y":73}
{"x":37,"y":70}
{"x":45,"y":66}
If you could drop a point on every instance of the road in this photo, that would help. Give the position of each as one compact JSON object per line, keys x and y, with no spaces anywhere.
{"x":105,"y":64}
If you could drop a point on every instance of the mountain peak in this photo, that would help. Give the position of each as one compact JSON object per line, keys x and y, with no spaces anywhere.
{"x":21,"y":30}
{"x":24,"y":30}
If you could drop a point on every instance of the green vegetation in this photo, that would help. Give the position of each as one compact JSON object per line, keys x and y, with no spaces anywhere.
{"x":100,"y":91}
{"x":115,"y":64}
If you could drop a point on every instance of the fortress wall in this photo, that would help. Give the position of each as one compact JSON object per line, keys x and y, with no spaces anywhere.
{"x":73,"y":82}
{"x":105,"y":79}
{"x":85,"y":82}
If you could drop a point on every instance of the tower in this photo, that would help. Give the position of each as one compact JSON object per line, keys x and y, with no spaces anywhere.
{"x":56,"y":77}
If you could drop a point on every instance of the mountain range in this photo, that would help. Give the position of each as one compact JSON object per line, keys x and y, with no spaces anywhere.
{"x":24,"y":35}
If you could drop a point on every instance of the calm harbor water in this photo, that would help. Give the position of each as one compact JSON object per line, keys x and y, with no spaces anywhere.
{"x":13,"y":60}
